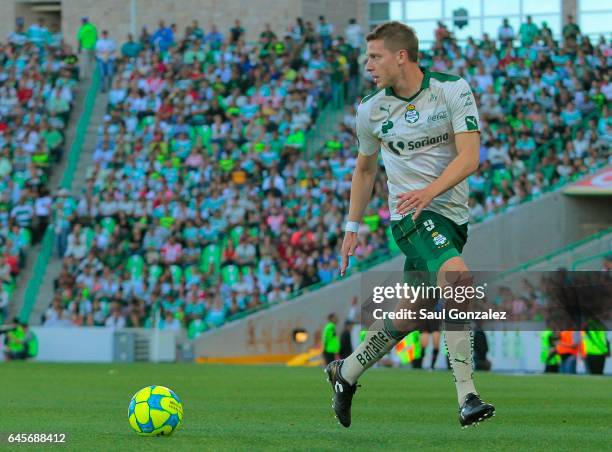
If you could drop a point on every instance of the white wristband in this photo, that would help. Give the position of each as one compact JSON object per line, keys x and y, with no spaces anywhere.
{"x":351,"y":226}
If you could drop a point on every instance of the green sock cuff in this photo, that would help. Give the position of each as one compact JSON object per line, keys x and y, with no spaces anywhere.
{"x":391,"y":331}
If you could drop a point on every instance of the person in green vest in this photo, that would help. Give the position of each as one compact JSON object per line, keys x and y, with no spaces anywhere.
{"x":548,"y":351}
{"x":15,"y":343}
{"x":596,"y":347}
{"x":30,"y":342}
{"x":87,"y":37}
{"x":329,"y":339}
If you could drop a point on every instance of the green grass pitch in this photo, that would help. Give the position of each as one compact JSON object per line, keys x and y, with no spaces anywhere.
{"x":280,"y":408}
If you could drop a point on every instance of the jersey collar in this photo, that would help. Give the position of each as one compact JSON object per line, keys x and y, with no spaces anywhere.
{"x":424,"y":85}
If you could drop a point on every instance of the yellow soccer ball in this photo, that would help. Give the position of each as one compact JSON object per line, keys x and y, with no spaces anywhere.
{"x":155,"y":411}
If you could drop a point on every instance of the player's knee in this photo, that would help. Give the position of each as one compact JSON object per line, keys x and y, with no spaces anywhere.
{"x":463,"y":291}
{"x":453,"y":265}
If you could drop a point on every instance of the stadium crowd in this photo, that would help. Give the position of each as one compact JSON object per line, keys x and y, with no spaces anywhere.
{"x":201,"y":199}
{"x":38,"y":74}
{"x":205,"y":200}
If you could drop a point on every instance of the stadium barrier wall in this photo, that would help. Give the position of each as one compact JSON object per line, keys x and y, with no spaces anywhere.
{"x":103,"y":345}
{"x":587,"y":251}
{"x":514,"y":351}
{"x":535,"y":229}
{"x":506,"y":241}
{"x":518,"y":351}
{"x":116,"y":15}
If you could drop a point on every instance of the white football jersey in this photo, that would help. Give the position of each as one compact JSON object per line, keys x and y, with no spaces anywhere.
{"x":417,"y":138}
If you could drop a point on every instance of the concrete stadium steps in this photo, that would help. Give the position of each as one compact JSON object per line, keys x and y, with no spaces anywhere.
{"x":86,"y":160}
{"x":585,"y":255}
{"x":142,"y":347}
{"x":325,"y":129}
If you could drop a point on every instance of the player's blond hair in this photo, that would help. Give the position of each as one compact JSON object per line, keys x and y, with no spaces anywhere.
{"x":397,"y":36}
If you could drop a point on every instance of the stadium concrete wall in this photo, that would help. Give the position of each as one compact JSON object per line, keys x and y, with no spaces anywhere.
{"x":116,"y":15}
{"x":7,"y":19}
{"x":504,"y":242}
{"x":535,"y":229}
{"x":101,"y":345}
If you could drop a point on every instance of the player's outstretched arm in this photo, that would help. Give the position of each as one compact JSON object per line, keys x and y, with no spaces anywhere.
{"x":466,"y":162}
{"x":361,"y":191}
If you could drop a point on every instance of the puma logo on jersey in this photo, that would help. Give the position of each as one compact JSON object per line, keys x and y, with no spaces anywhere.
{"x":471,"y":123}
{"x":386,"y":110}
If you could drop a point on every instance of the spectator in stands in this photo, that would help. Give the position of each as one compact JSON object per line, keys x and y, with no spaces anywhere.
{"x":505,"y":34}
{"x":325,"y":32}
{"x":23,"y":213}
{"x":18,"y":37}
{"x":236,"y":32}
{"x":77,"y":247}
{"x":116,"y":319}
{"x":169,"y":322}
{"x":497,"y":155}
{"x":354,"y":34}
{"x":57,"y":315}
{"x":61,"y":221}
{"x":105,"y":55}
{"x":571,"y":30}
{"x":570,"y":115}
{"x":131,"y":48}
{"x":528,"y":32}
{"x":215,"y":38}
{"x":163,"y":38}
{"x":38,"y":34}
{"x":441,"y":33}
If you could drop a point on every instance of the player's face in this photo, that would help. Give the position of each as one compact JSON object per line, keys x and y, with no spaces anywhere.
{"x":382,"y":64}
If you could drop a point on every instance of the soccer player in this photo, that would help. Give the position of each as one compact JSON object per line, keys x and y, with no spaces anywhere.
{"x":426,"y":126}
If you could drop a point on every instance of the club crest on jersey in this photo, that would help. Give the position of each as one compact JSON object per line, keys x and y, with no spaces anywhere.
{"x":439,"y":240}
{"x":411,"y":116}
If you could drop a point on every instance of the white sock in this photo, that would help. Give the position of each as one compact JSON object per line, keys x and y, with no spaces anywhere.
{"x":460,"y":347}
{"x":381,"y":338}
